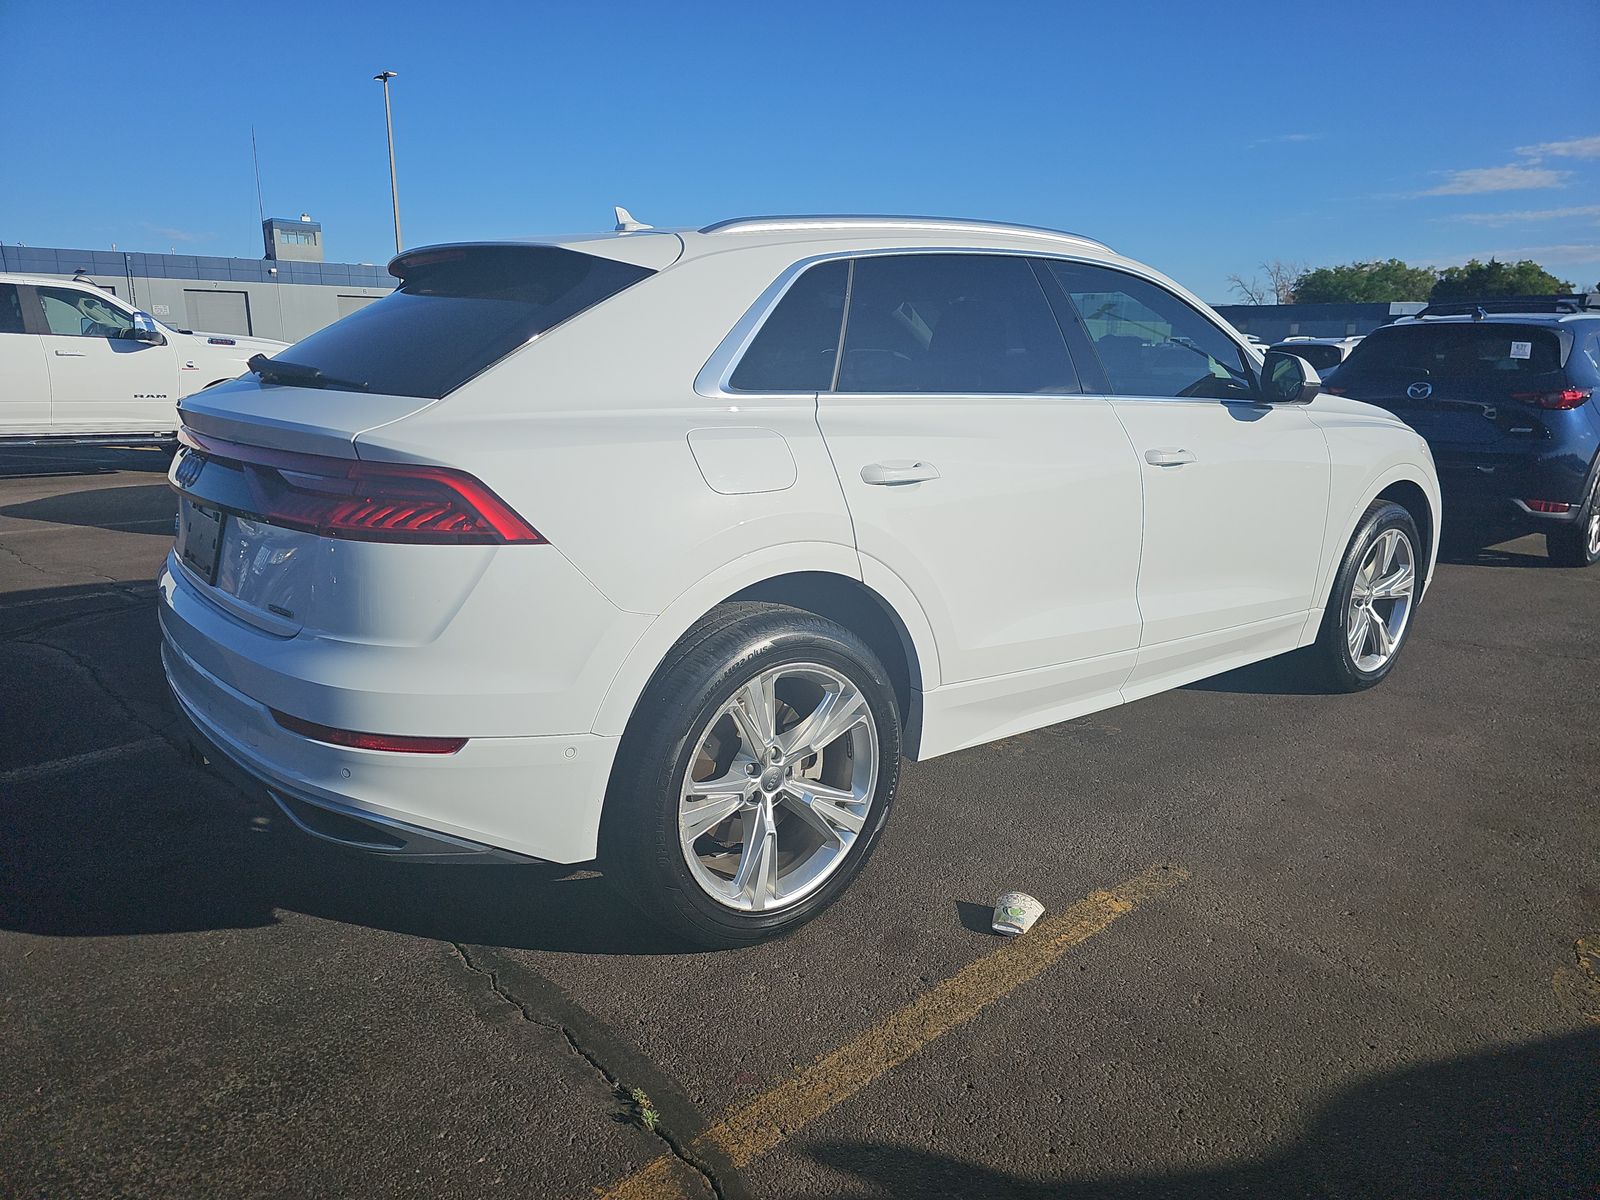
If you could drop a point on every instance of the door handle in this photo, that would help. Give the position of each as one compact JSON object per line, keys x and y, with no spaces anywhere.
{"x":1168,"y":456}
{"x":888,"y":475}
{"x":70,"y":354}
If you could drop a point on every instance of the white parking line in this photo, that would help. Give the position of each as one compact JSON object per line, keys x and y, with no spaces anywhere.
{"x":72,"y":763}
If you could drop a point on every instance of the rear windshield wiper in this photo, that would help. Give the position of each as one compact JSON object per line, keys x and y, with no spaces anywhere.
{"x":278,"y":370}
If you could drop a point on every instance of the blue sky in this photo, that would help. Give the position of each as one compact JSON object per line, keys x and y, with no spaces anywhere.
{"x":1201,"y":138}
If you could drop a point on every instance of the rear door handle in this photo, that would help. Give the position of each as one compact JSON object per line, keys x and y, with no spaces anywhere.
{"x":1168,"y":456}
{"x":70,"y":354}
{"x":889,"y":474}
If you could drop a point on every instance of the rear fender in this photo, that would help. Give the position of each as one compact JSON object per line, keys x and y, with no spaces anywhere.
{"x":680,"y":616}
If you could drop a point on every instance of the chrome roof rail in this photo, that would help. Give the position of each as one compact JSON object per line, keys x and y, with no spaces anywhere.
{"x":954,"y":224}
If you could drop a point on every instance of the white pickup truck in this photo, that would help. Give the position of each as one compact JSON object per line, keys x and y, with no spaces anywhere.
{"x":77,"y":362}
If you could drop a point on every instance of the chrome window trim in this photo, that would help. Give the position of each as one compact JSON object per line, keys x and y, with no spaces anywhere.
{"x":712,"y":380}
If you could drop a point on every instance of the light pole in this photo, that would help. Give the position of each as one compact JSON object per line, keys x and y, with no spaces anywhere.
{"x":383,"y":77}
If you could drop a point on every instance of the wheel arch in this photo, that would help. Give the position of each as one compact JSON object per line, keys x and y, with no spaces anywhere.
{"x":824,"y":579}
{"x":1408,"y":485}
{"x":1408,"y":494}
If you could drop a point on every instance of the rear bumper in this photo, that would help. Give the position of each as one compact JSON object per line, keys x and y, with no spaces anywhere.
{"x":1474,"y":488}
{"x":518,"y":797}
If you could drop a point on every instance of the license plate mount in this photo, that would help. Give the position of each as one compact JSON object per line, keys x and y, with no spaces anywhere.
{"x":200,"y":538}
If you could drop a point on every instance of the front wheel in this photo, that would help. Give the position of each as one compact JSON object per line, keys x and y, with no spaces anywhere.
{"x":755,"y":777}
{"x":1370,"y":608}
{"x":1578,"y":545}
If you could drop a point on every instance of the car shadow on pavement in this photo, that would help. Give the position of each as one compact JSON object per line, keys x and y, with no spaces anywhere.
{"x":1515,"y":1122}
{"x":164,"y":847}
{"x":124,"y":509}
{"x":1285,"y":675}
{"x":30,"y":462}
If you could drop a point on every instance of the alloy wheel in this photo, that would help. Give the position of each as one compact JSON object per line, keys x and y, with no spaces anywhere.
{"x":779,"y":787}
{"x":1381,"y":596}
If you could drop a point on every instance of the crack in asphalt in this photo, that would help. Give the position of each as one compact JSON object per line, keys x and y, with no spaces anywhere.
{"x":88,"y":667}
{"x":131,"y":598}
{"x":22,"y":561}
{"x":719,"y":1176}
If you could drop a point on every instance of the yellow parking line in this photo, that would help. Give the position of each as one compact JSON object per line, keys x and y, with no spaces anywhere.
{"x":750,"y":1131}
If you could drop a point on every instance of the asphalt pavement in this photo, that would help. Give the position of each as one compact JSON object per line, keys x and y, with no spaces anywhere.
{"x":1295,"y":945}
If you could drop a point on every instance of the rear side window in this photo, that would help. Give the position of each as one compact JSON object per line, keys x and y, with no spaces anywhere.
{"x":1319,"y":356}
{"x":456,"y":312}
{"x":1151,"y":342}
{"x":797,"y":346}
{"x":1481,"y":353}
{"x":953,"y":323}
{"x":11,"y":310}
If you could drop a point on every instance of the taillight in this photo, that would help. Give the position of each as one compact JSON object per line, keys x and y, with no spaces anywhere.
{"x":367,"y":741}
{"x":1548,"y":506}
{"x":1566,"y":398}
{"x":371,"y":501}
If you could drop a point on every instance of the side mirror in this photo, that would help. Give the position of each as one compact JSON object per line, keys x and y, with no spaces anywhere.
{"x":145,"y":330}
{"x":1288,"y":379}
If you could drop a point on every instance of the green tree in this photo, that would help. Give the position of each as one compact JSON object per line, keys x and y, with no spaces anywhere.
{"x":1364,"y":283}
{"x":1483,"y":281}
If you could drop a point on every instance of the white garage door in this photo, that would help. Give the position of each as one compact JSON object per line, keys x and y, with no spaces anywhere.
{"x":350,"y":304}
{"x":217,"y":312}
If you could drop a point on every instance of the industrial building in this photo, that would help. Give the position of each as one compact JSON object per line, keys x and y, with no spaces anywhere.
{"x":287,"y":294}
{"x":1274,"y":322}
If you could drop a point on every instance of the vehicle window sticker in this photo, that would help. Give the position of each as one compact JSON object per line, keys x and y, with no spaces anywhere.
{"x":1521,"y":349}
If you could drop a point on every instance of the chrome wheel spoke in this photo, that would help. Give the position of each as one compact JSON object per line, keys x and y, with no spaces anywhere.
{"x":835,"y":716}
{"x":707,"y":805}
{"x":756,"y":881}
{"x":1382,"y":637}
{"x":824,"y":809}
{"x":1395,"y":584}
{"x":755,"y":711}
{"x":1358,"y":632}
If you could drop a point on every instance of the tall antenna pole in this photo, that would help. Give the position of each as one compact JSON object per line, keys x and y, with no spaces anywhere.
{"x":255,"y":156}
{"x":388,"y":120}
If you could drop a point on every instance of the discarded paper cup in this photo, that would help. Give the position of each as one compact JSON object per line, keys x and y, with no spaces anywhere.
{"x":1015,"y":912}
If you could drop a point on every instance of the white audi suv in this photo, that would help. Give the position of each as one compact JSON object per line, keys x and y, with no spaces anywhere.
{"x":662,"y":547}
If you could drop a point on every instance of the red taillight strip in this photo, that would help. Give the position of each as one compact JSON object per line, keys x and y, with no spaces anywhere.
{"x":370,"y":501}
{"x":395,"y":743}
{"x":1564,"y":399}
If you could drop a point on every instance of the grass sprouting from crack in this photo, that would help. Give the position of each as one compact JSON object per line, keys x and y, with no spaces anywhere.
{"x":643,"y":1111}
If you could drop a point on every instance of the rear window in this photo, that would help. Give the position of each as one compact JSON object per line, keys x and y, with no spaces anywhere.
{"x":1317,"y":354}
{"x":456,"y":312}
{"x":1483,"y":353}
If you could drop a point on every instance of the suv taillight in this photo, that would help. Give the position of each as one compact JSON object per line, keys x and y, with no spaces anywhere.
{"x":1566,"y":398}
{"x":370,"y":501}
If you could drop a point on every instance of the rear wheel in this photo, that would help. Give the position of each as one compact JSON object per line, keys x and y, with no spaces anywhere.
{"x":1578,"y":545}
{"x":1374,"y":594}
{"x":756,"y":776}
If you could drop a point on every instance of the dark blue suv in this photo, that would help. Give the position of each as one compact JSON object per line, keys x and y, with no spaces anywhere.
{"x":1507,"y":395}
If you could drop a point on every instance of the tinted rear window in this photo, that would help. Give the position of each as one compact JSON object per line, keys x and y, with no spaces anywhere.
{"x":1318,"y":355}
{"x":456,"y":312}
{"x":1483,"y":353}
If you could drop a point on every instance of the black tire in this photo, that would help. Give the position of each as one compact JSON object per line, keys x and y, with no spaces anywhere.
{"x":640,"y":851}
{"x":1330,"y":662}
{"x":1576,"y":545}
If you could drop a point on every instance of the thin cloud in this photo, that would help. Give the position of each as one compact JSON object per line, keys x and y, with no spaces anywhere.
{"x":1511,"y":178}
{"x":179,"y":235}
{"x":1559,"y":258}
{"x":1283,"y":138}
{"x":1584,"y":147}
{"x":1529,"y":215}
